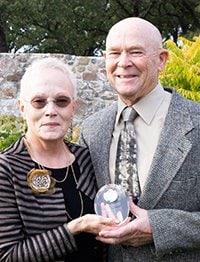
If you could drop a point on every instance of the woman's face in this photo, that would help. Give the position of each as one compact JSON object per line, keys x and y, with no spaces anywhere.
{"x":48,"y":105}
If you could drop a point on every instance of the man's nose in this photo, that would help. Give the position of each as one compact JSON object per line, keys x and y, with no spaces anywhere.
{"x":124,"y":60}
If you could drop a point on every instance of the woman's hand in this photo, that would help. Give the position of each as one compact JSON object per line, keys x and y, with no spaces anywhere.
{"x":91,"y":223}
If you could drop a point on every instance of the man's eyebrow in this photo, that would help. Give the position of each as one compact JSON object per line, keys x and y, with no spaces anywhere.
{"x":136,"y":46}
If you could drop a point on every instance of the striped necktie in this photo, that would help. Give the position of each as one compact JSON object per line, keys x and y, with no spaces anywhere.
{"x":126,"y":173}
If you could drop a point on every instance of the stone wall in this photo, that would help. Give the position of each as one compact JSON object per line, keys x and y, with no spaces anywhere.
{"x":93,"y":90}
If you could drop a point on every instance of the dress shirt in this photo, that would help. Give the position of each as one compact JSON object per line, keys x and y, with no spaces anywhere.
{"x":152,"y":110}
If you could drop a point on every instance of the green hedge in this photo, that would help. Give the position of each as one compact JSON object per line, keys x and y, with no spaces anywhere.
{"x":11,"y":128}
{"x":183,"y":67}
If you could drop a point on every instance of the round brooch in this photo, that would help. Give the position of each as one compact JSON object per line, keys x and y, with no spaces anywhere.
{"x":40,"y":180}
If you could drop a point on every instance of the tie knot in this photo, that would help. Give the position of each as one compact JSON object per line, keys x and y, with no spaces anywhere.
{"x":129,"y":114}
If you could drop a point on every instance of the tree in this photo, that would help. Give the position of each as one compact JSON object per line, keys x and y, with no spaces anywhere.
{"x":3,"y":41}
{"x":79,"y":27}
{"x":55,"y":26}
{"x":183,"y":67}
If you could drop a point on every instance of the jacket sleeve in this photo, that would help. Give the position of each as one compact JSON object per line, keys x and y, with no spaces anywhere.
{"x":175,"y":230}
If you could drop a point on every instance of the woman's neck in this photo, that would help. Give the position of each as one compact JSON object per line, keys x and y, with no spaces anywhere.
{"x":53,"y":154}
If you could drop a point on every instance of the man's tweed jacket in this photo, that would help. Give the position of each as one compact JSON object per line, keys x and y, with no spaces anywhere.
{"x":172,"y":191}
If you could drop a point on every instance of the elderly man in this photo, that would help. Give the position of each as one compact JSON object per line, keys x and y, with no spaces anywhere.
{"x":166,"y":214}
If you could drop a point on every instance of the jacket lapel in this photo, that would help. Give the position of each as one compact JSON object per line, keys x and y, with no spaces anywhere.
{"x":171,"y":152}
{"x":101,"y":144}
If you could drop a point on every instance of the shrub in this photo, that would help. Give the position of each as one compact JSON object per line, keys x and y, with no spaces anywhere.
{"x":11,"y":128}
{"x":183,"y":67}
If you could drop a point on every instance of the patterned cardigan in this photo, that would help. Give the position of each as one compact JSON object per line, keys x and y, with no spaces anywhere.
{"x":31,"y":225}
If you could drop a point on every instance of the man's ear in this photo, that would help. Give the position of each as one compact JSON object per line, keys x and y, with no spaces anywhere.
{"x":164,"y":55}
{"x":104,"y":54}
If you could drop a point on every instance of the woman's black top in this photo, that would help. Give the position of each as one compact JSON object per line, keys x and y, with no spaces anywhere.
{"x":88,"y":248}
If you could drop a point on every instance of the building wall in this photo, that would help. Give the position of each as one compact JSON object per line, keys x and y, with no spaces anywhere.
{"x":93,"y":89}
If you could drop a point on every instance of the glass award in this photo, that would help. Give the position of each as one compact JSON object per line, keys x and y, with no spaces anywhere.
{"x":112,"y":201}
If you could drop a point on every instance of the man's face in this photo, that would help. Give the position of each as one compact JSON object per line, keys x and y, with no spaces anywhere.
{"x":132,"y":63}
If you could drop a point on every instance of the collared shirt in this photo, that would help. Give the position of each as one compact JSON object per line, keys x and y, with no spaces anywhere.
{"x":152,"y":110}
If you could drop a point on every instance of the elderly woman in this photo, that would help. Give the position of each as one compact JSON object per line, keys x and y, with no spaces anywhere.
{"x":48,"y":184}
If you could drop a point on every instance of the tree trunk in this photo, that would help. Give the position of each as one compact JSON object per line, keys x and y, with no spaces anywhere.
{"x":3,"y":42}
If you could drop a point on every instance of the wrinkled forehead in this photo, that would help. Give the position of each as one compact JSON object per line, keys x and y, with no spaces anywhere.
{"x":134,"y":32}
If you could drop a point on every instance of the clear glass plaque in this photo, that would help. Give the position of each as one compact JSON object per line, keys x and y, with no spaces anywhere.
{"x":112,"y":201}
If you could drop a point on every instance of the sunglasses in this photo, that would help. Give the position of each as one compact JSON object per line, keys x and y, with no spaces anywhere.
{"x":39,"y":102}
